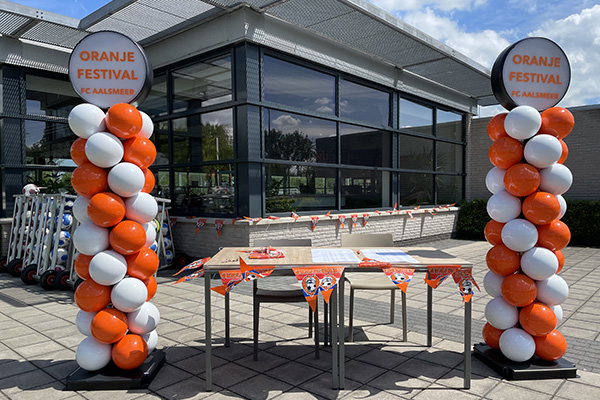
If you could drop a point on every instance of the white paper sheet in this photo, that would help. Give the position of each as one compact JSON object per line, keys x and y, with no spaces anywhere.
{"x":388,"y":255}
{"x":329,"y":256}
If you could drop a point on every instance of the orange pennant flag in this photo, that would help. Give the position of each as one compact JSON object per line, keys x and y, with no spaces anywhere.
{"x":229,"y":280}
{"x":400,"y":276}
{"x":465,"y":281}
{"x":328,"y":279}
{"x":250,"y":273}
{"x":310,"y":284}
{"x":436,"y":274}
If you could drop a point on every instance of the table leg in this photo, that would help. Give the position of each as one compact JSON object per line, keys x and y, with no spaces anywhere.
{"x":342,"y":335}
{"x":429,"y":314}
{"x":468,"y":306}
{"x":227,"y":319}
{"x":334,"y":340}
{"x":207,"y":329}
{"x":404,"y":317}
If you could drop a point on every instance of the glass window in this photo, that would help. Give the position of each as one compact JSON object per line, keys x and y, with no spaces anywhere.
{"x":203,"y":137}
{"x":449,"y":157}
{"x":416,"y":153}
{"x":202,"y":84}
{"x":365,"y":189}
{"x":204,"y":190}
{"x":449,"y":188}
{"x":162,"y":185}
{"x":296,"y":86}
{"x":364,"y":103}
{"x":365,"y":146}
{"x":53,"y":181}
{"x":156,"y":102}
{"x":416,"y":189}
{"x":52,"y":97}
{"x":299,"y":188}
{"x":160,"y":138}
{"x":449,"y":125}
{"x":416,"y":117}
{"x":48,"y":143}
{"x":297,"y":138}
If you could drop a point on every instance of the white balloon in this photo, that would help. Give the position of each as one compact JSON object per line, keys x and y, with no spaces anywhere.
{"x":90,"y":239}
{"x":144,"y":319}
{"x":563,"y":206}
{"x":522,"y":122}
{"x":519,"y":235}
{"x":147,"y":126}
{"x":558,"y":311}
{"x":151,"y":339}
{"x":150,"y":229}
{"x":552,"y":291}
{"x":104,"y":150}
{"x":539,"y":263}
{"x":86,"y":119}
{"x":517,"y":345}
{"x":494,"y":180}
{"x":492,"y":284}
{"x":500,"y":314}
{"x":126,"y":179}
{"x":555,"y":179}
{"x":141,"y":208}
{"x":128,"y":295}
{"x":542,"y":151}
{"x":108,"y":267}
{"x":83,"y":321}
{"x":502,"y":206}
{"x":80,"y":209}
{"x":93,"y":355}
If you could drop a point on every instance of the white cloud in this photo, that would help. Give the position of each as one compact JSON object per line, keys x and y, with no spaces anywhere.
{"x":409,"y":5}
{"x":323,"y":101}
{"x":285,"y":121}
{"x":325,"y":109}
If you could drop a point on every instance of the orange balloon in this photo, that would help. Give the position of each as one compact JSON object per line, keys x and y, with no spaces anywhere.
{"x":561,"y":260}
{"x":152,"y":287}
{"x":106,"y":209}
{"x":88,"y":179}
{"x":143,"y":264}
{"x":78,"y":152}
{"x":493,"y":232}
{"x":502,"y":261}
{"x":541,"y":208}
{"x":495,"y":128}
{"x":150,"y":181}
{"x":82,"y":265}
{"x":109,"y":325}
{"x":130,"y":352}
{"x":521,"y":179}
{"x":127,"y":237}
{"x":92,"y":297}
{"x":124,"y":120}
{"x":139,"y":151}
{"x":518,"y":290}
{"x":557,"y":121}
{"x":565,"y":152}
{"x":491,"y":336}
{"x":554,"y":236}
{"x":505,"y":152}
{"x":550,"y":347}
{"x":537,"y":319}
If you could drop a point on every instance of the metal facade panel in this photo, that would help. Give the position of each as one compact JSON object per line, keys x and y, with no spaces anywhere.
{"x":10,"y":22}
{"x":182,"y":8}
{"x":307,"y":13}
{"x":51,"y":33}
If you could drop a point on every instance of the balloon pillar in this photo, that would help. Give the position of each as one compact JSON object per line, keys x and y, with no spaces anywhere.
{"x":116,"y":213}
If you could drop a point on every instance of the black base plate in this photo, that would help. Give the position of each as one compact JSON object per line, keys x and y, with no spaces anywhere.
{"x":535,"y":368}
{"x":113,"y":378}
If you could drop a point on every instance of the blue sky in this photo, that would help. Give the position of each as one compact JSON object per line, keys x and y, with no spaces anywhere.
{"x":480,"y":29}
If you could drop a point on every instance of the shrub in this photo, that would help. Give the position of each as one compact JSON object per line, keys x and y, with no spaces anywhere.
{"x":472,"y":219}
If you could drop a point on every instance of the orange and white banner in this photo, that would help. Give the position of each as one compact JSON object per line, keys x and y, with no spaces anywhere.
{"x":436,"y":274}
{"x":400,"y":276}
{"x":318,"y":279}
{"x":229,"y":279}
{"x":465,"y":281}
{"x":250,"y":273}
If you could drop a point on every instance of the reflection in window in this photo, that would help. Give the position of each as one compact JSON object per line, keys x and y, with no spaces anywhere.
{"x":203,"y":137}
{"x":160,"y":138}
{"x":364,"y":146}
{"x":48,"y":143}
{"x":299,"y":188}
{"x":416,"y":189}
{"x":296,"y":86}
{"x":449,"y":188}
{"x":365,"y":189}
{"x":449,"y":157}
{"x":294,"y":137}
{"x":202,"y":84}
{"x":416,"y":117}
{"x":416,"y":153}
{"x":51,"y":97}
{"x":449,"y":125}
{"x":162,"y":185}
{"x":209,"y":190}
{"x":364,"y":103}
{"x":156,"y":103}
{"x":53,"y":181}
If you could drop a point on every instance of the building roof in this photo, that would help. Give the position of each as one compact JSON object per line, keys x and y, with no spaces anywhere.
{"x":354,"y":23}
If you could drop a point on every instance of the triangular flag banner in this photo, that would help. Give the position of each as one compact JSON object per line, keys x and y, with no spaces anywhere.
{"x":400,"y":276}
{"x":250,"y":273}
{"x":228,"y":279}
{"x":328,"y":214}
{"x":365,"y":219}
{"x":193,"y":265}
{"x":465,"y":281}
{"x":265,"y":253}
{"x":253,"y":219}
{"x":410,"y":214}
{"x":172,"y":222}
{"x":313,"y":222}
{"x":295,"y":216}
{"x":189,"y":277}
{"x":219,"y":226}
{"x":310,"y":284}
{"x":436,"y":274}
{"x":395,"y":207}
{"x":273,"y":217}
{"x":199,"y":224}
{"x":370,"y":263}
{"x":342,"y":219}
{"x":328,"y":279}
{"x":354,"y":219}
